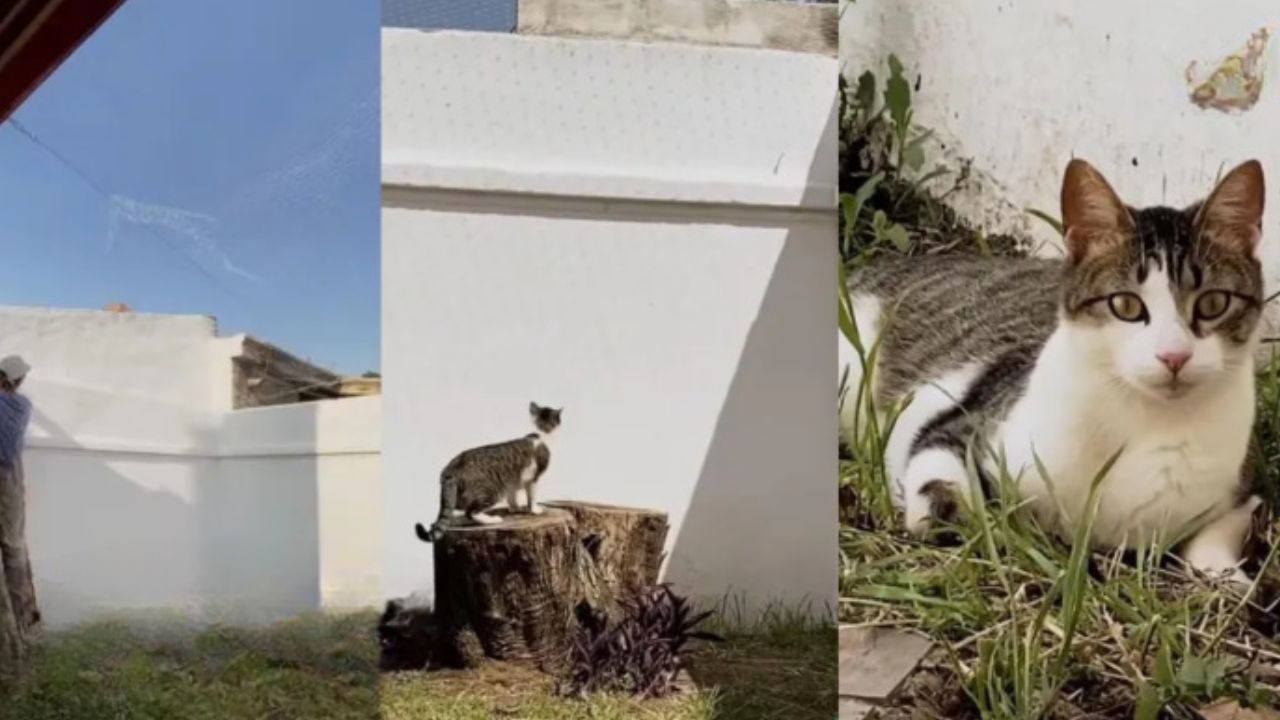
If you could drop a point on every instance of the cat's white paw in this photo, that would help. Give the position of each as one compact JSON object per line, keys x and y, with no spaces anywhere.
{"x":916,"y":514}
{"x":537,"y":509}
{"x":1240,"y":578}
{"x":934,"y":483}
{"x":483,"y":519}
{"x":936,"y":501}
{"x":1234,"y":582}
{"x":1217,"y":568}
{"x":1215,"y":550}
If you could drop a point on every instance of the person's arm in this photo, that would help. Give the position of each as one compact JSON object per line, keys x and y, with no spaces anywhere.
{"x":24,"y":418}
{"x":15,"y":412}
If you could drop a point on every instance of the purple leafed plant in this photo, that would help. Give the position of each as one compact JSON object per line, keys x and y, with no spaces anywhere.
{"x":640,"y":654}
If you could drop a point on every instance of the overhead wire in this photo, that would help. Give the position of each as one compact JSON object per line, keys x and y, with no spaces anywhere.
{"x":97,"y":187}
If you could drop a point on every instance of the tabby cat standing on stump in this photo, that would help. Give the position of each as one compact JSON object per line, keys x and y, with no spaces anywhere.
{"x":477,"y":479}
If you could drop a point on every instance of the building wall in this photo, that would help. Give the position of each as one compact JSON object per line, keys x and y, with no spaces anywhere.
{"x":802,"y":26}
{"x":144,"y":495}
{"x":262,"y":374}
{"x":631,"y":231}
{"x":1021,"y":87}
{"x":170,"y":359}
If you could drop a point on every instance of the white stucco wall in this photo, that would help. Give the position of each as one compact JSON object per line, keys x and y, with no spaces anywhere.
{"x":145,"y":495}
{"x":171,"y":359}
{"x":1022,"y":86}
{"x":636,"y":233}
{"x":326,"y":457}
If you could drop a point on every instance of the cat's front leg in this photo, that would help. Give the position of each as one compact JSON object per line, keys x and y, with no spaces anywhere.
{"x":933,"y":488}
{"x":1217,"y":548}
{"x":534,"y":507}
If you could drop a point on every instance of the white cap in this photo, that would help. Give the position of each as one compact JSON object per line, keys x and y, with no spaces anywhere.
{"x":14,"y":367}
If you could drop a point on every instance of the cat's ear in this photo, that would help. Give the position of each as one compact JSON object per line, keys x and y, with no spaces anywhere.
{"x":1093,"y":216}
{"x":533,"y":408}
{"x":1232,"y":216}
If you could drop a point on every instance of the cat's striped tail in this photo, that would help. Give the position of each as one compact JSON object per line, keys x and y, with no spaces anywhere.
{"x":428,"y":535}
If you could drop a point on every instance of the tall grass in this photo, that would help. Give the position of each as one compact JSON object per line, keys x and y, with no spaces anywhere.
{"x":1032,"y":626}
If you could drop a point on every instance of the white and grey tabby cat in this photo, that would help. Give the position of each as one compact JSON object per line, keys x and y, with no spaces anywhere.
{"x":1143,"y":338}
{"x":478,"y":479}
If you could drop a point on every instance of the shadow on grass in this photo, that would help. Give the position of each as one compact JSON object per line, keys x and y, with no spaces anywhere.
{"x":771,"y":675}
{"x":309,"y":667}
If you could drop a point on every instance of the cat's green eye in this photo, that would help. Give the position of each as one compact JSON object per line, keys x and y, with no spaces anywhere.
{"x":1212,"y":305}
{"x":1128,"y":307}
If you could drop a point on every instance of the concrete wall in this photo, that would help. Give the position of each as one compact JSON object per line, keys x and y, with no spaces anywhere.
{"x":634,"y":232}
{"x":1022,"y":86}
{"x":144,"y":496}
{"x":326,"y":458}
{"x":169,"y":359}
{"x":804,"y":27}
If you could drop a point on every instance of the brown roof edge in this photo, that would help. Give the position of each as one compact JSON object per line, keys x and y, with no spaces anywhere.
{"x":36,"y":36}
{"x":264,"y":351}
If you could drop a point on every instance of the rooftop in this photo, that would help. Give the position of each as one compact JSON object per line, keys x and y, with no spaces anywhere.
{"x":36,"y":36}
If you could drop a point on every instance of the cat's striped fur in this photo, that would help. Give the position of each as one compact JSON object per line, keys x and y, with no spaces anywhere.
{"x":476,"y":480}
{"x":951,"y":312}
{"x":1141,"y":338}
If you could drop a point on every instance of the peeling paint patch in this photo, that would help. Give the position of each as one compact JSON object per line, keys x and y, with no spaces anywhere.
{"x":1235,"y":82}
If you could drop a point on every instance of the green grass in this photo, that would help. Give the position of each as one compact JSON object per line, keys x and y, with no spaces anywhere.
{"x":1030,"y":626}
{"x":312,"y":667}
{"x":326,"y":667}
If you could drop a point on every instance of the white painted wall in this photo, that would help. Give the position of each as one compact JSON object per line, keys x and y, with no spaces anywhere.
{"x":325,"y":459}
{"x":635,"y":232}
{"x":1021,"y":86}
{"x":144,"y":494}
{"x":170,"y":359}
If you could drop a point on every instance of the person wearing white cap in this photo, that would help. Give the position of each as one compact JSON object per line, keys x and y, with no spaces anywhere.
{"x":15,"y":414}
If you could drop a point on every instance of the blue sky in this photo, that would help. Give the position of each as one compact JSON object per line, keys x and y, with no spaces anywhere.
{"x":487,"y":15}
{"x":215,"y":158}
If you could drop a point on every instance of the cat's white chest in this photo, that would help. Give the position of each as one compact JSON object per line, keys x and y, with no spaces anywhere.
{"x":1178,"y":466}
{"x":529,"y":472}
{"x":1157,"y":487}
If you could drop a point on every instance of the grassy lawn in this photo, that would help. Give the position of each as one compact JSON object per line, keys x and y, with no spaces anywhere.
{"x":326,"y":667}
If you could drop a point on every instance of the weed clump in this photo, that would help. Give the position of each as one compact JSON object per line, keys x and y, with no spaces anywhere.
{"x":890,"y":201}
{"x":642,"y":653}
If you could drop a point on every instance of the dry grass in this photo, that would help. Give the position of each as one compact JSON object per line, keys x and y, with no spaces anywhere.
{"x":502,"y":690}
{"x":326,"y":667}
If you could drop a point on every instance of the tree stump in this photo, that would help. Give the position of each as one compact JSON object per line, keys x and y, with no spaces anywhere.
{"x":510,"y":591}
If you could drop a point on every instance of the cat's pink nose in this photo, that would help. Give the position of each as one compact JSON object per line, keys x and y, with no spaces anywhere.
{"x":1174,"y":359}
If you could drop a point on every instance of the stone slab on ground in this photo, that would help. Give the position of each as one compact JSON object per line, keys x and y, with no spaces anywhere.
{"x":854,"y":709}
{"x":1230,"y":710}
{"x":875,"y":661}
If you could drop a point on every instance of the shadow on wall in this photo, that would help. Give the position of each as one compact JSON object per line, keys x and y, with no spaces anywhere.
{"x":116,"y":532}
{"x":260,"y":529}
{"x":736,"y":528}
{"x":99,"y":539}
{"x":896,"y":31}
